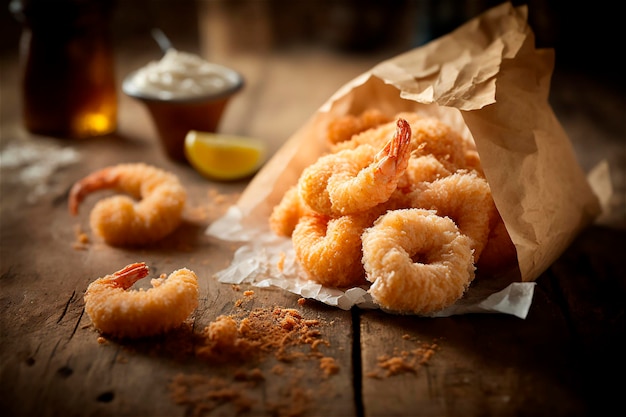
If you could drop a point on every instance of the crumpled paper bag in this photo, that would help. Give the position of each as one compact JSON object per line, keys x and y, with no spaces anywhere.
{"x":488,"y":81}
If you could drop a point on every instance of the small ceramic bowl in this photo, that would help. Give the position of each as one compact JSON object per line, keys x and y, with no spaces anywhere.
{"x":174,"y":115}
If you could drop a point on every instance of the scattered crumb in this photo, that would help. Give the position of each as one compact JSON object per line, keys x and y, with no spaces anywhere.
{"x":253,"y":375}
{"x":294,"y":402}
{"x":196,"y":214}
{"x":220,"y":199}
{"x":235,"y":287}
{"x":222,"y":333}
{"x":247,"y":339}
{"x":301,"y":301}
{"x":81,"y":240}
{"x":275,"y":330}
{"x":215,"y":207}
{"x":395,"y":365}
{"x":278,"y":370}
{"x":101,"y":340}
{"x":248,"y":295}
{"x":329,"y":365}
{"x":204,"y":394}
{"x":404,"y":361}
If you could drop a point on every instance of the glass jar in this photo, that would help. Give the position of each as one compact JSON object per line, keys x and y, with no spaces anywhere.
{"x":67,"y":63}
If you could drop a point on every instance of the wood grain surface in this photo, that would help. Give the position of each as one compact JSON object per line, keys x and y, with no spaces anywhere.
{"x":559,"y":361}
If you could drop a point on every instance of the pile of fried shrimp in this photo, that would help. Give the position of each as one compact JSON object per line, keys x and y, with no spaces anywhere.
{"x":399,"y":202}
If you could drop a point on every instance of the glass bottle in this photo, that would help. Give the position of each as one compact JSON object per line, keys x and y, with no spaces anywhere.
{"x":67,"y":63}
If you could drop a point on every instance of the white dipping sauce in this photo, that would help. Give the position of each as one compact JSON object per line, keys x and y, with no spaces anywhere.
{"x":181,"y":75}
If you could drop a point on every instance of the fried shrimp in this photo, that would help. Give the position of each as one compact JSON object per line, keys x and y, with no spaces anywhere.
{"x":421,"y":169}
{"x":139,"y":313}
{"x":413,"y":215}
{"x":286,"y":214}
{"x":465,"y":198}
{"x":123,"y":221}
{"x":343,"y":128}
{"x":429,"y":136}
{"x":329,"y":249}
{"x":417,"y":261}
{"x":357,"y":179}
{"x":433,"y":137}
{"x":376,"y":136}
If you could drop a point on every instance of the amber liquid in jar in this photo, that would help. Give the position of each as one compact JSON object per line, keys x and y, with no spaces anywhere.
{"x":67,"y":59}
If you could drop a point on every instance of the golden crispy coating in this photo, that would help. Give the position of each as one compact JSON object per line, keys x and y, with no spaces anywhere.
{"x":343,"y":128}
{"x":287,"y":213}
{"x":418,"y":262}
{"x":121,"y":220}
{"x":465,"y":198}
{"x":136,"y":313}
{"x":355,"y":180}
{"x":329,"y":249}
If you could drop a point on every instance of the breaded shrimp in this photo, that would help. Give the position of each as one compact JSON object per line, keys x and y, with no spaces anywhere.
{"x":433,"y":137}
{"x":422,"y":169}
{"x":343,"y":128}
{"x":376,"y":136}
{"x":466,"y":198}
{"x":138,"y":313}
{"x":286,"y":214}
{"x":123,"y":221}
{"x":357,"y":179}
{"x":417,"y":261}
{"x":429,"y":136}
{"x":329,"y":249}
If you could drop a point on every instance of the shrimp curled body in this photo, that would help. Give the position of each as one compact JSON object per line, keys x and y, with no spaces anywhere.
{"x":466,"y":198}
{"x":287,"y":213}
{"x":138,"y":313}
{"x":355,"y":180}
{"x":329,"y":249}
{"x":121,"y":220}
{"x":417,"y":261}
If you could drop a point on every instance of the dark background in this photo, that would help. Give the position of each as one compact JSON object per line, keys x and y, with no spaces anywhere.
{"x":585,"y":35}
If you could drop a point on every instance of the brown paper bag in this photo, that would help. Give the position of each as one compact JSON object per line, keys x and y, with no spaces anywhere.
{"x":488,"y":81}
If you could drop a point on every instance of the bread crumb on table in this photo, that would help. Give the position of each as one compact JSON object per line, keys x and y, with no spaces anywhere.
{"x":81,"y":239}
{"x":329,"y":366}
{"x":248,"y":339}
{"x":404,"y":361}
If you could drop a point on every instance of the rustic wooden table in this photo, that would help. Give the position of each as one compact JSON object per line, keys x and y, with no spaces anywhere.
{"x":562,"y":360}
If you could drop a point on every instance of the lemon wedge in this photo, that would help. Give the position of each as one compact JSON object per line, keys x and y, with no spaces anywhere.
{"x":224,"y":157}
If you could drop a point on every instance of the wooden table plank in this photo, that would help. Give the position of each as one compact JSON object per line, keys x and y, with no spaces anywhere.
{"x":589,"y":282}
{"x":481,"y":365}
{"x":558,"y":361}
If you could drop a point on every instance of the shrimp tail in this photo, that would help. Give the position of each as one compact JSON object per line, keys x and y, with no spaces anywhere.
{"x":105,"y":178}
{"x":393,"y":159}
{"x":127,"y":276}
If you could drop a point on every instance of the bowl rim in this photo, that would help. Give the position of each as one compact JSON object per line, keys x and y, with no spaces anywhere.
{"x":235,"y":87}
